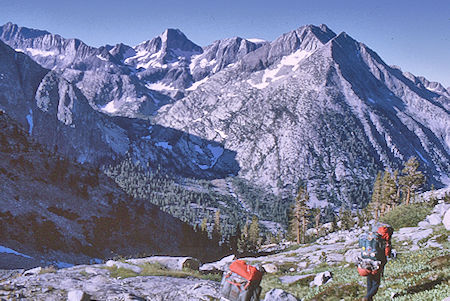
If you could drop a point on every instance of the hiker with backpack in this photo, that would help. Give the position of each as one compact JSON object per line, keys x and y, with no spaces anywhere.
{"x":375,"y":249}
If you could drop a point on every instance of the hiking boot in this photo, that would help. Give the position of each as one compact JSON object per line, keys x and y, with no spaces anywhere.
{"x":365,"y":299}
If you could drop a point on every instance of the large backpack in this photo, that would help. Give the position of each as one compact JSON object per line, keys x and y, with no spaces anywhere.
{"x":241,"y":282}
{"x":373,"y":249}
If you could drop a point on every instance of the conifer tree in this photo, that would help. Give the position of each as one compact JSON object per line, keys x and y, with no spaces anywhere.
{"x":375,"y":203}
{"x":216,"y":233}
{"x":204,"y":225}
{"x":411,"y":179}
{"x":243,"y":240}
{"x":317,"y":212}
{"x":345,"y":216}
{"x":299,"y":215}
{"x":254,"y":240}
{"x":388,"y":192}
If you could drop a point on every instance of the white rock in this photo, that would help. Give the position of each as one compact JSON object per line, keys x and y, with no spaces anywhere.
{"x":352,"y":255}
{"x":302,"y":265}
{"x":91,"y":270}
{"x":407,"y":230}
{"x":277,"y":294}
{"x":77,"y":295}
{"x":322,"y":278}
{"x":440,"y":209}
{"x":446,"y":220}
{"x":220,"y":265}
{"x":31,"y":272}
{"x":434,"y":219}
{"x":433,"y":244}
{"x":293,"y":279}
{"x":424,"y":224}
{"x":118,"y":264}
{"x":270,"y":268}
{"x":335,"y":257}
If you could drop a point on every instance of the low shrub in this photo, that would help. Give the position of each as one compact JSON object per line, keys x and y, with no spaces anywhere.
{"x":407,"y":215}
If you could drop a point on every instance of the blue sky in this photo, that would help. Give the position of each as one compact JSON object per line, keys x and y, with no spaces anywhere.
{"x":414,"y":35}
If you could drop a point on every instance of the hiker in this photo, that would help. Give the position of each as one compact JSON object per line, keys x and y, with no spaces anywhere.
{"x":376,"y":248}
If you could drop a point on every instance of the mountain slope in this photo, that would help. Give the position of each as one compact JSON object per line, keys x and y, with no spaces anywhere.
{"x":309,"y":107}
{"x":328,"y":112}
{"x":54,"y":209}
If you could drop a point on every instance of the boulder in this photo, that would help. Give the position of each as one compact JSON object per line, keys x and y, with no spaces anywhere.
{"x":220,"y":265}
{"x":440,"y":209}
{"x":321,"y":278}
{"x":335,"y":257}
{"x":277,"y":294}
{"x":270,"y":268}
{"x":32,"y":272}
{"x":302,"y":265}
{"x":77,"y":295}
{"x":352,"y":255}
{"x":424,"y":224}
{"x":407,"y":230}
{"x":171,"y":263}
{"x":434,"y":219}
{"x":296,"y":278}
{"x":446,"y":220}
{"x":118,"y":264}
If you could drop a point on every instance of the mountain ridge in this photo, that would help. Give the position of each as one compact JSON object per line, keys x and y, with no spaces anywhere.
{"x":310,"y":106}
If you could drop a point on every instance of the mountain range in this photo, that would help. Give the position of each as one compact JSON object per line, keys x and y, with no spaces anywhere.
{"x":311,"y":107}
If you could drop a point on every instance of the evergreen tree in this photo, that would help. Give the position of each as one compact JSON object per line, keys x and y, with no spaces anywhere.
{"x":216,"y":233}
{"x":345,"y":216}
{"x":375,"y":203}
{"x":334,"y":225}
{"x":204,"y":225}
{"x":254,"y":241}
{"x":412,"y":179}
{"x":243,"y":240}
{"x":317,"y":215}
{"x":299,"y":215}
{"x":234,"y":239}
{"x":388,"y":192}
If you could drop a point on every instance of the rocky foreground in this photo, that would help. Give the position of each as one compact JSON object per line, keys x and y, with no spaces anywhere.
{"x":184,"y":278}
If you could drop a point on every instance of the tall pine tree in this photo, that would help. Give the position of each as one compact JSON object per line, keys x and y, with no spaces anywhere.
{"x":299,"y":215}
{"x":375,"y":203}
{"x":388,"y":192}
{"x":254,"y":241}
{"x":411,"y":179}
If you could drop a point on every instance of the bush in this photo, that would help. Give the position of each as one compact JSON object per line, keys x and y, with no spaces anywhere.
{"x":407,"y":215}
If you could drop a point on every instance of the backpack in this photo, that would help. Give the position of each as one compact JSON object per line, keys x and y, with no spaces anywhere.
{"x":375,"y":246}
{"x":241,"y":282}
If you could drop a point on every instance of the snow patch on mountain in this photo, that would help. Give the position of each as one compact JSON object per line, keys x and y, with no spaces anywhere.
{"x":164,"y":144}
{"x":158,"y":86}
{"x":110,"y":107}
{"x":11,"y":251}
{"x":101,"y":58}
{"x":286,"y":65}
{"x":30,"y":121}
{"x":256,"y":40}
{"x":40,"y":52}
